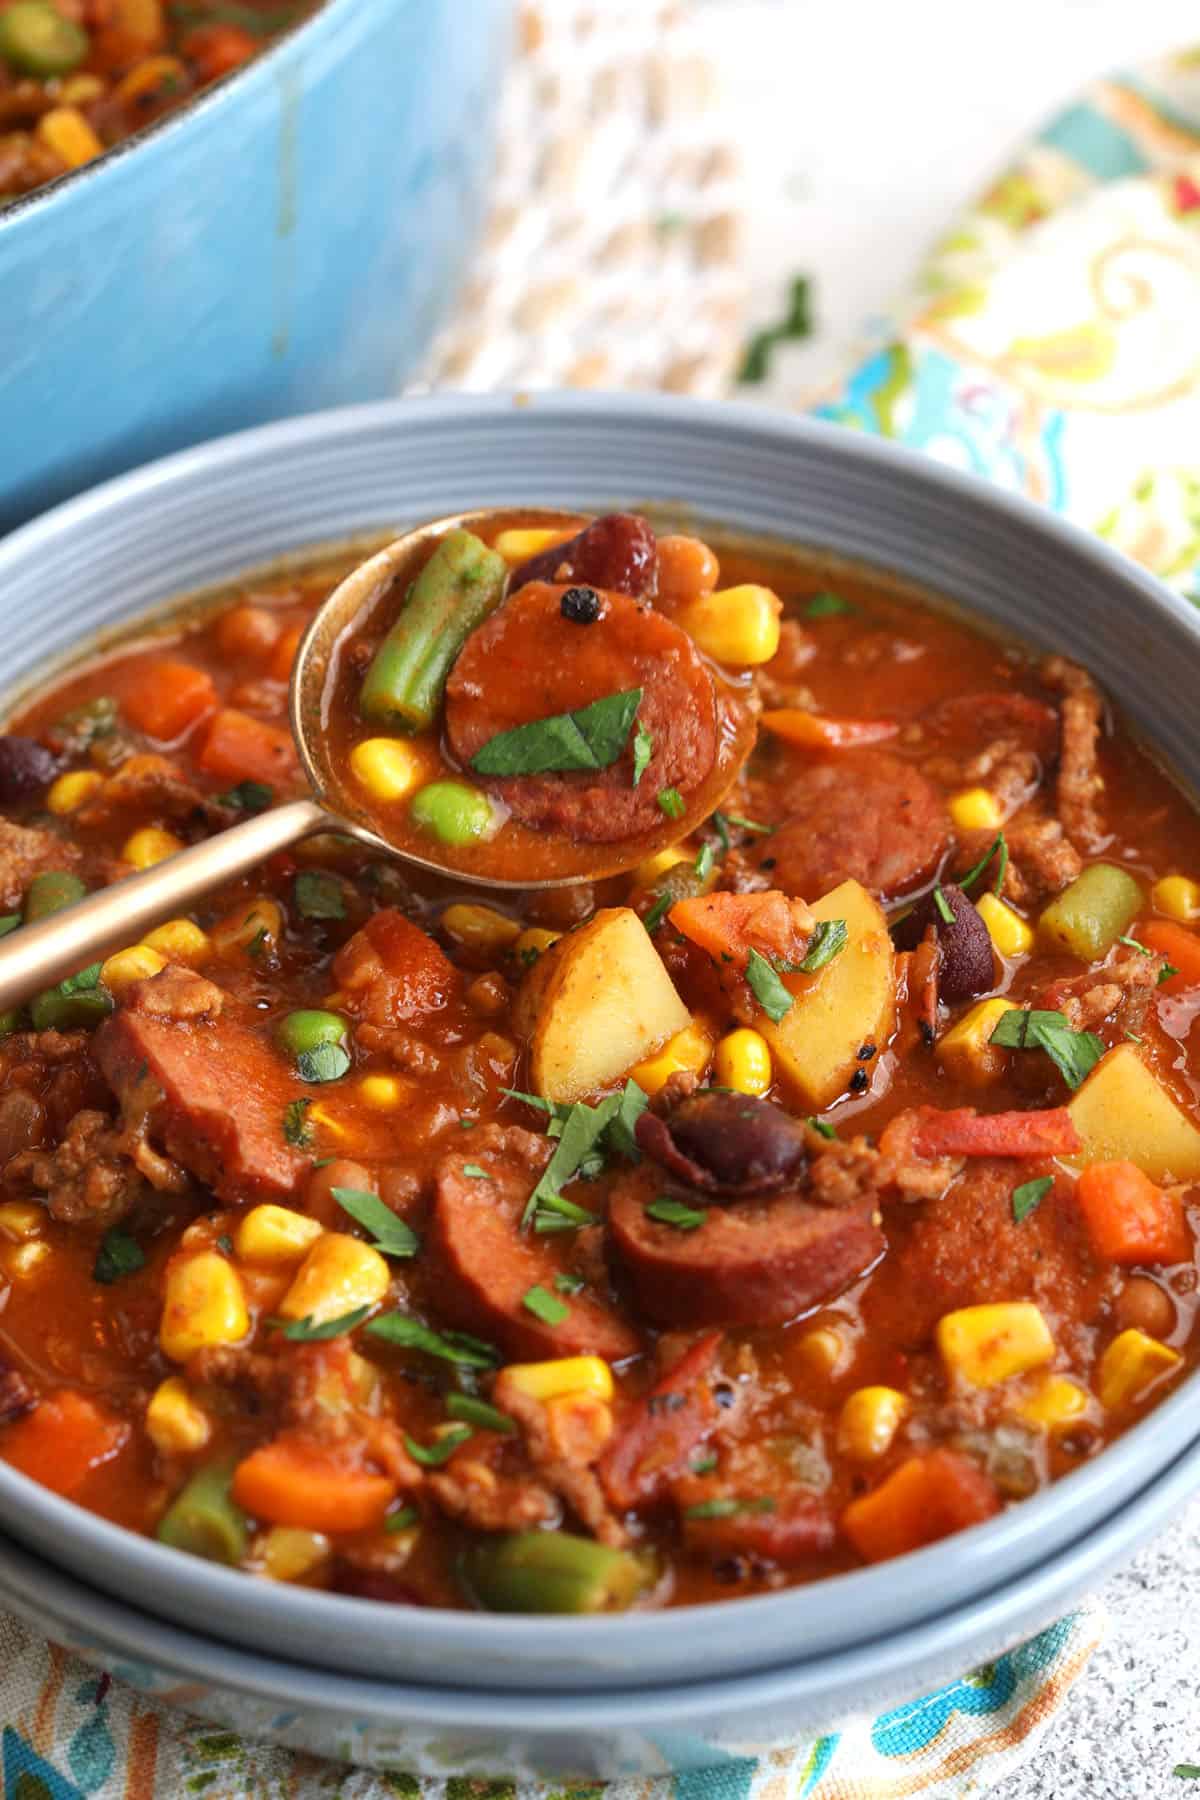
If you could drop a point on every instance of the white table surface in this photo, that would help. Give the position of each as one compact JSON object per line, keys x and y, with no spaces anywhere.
{"x":865,"y":124}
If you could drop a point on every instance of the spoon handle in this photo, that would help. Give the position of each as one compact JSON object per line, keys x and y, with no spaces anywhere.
{"x":37,"y":956}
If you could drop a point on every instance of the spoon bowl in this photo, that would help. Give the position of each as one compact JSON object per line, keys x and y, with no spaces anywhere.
{"x":41,"y":954}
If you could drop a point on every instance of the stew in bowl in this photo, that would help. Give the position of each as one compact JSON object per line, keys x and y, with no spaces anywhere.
{"x":813,"y":1192}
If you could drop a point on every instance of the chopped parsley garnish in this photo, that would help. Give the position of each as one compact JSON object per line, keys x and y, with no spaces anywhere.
{"x":705,"y":861}
{"x":400,"y":1521}
{"x":1165,"y":973}
{"x":825,"y":605}
{"x":822,"y":1126}
{"x":545,"y":1306}
{"x":324,"y":1062}
{"x":318,"y":895}
{"x":673,"y":1212}
{"x":388,"y":1233}
{"x":586,"y":1134}
{"x":296,"y":1129}
{"x":620,"y":1132}
{"x":476,"y":1172}
{"x":451,"y":1346}
{"x":998,"y":848}
{"x":258,"y":942}
{"x":248,"y":796}
{"x":705,"y":1463}
{"x":1073,"y":1053}
{"x":643,"y":750}
{"x":432,"y":1456}
{"x":827,"y":941}
{"x":477,"y":1412}
{"x":671,"y":801}
{"x":767,"y":988}
{"x":945,"y":910}
{"x":1134,"y":945}
{"x":8,"y":923}
{"x":1029,"y":1196}
{"x":659,"y":911}
{"x":728,"y":1508}
{"x":310,"y":1331}
{"x":225,"y":1244}
{"x":720,"y":825}
{"x":569,"y":1284}
{"x":592,"y":738}
{"x":749,"y":825}
{"x":118,"y":1255}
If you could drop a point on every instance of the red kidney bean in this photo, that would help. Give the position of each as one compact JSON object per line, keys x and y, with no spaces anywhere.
{"x":618,"y":551}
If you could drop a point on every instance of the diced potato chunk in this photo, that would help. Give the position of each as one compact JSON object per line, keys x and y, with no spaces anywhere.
{"x":604,"y":1003}
{"x":847,"y":1004}
{"x":1124,"y":1114}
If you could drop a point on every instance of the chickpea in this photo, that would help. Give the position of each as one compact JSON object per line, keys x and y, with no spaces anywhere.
{"x":685,"y":567}
{"x":340,"y":1173}
{"x":247,"y":634}
{"x":1144,"y":1306}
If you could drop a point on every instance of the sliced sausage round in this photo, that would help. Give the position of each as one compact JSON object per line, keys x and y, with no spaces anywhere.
{"x":755,"y":1262}
{"x":618,"y":551}
{"x":530,"y":661}
{"x":865,"y":816}
{"x":488,"y":1265}
{"x":970,"y":721}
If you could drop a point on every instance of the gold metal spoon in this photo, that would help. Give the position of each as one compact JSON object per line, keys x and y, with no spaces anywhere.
{"x":42,"y":954}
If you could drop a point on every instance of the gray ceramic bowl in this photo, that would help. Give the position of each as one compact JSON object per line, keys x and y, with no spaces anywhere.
{"x":203,"y":516}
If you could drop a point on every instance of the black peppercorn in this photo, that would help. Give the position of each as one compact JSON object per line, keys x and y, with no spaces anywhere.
{"x":581,"y":605}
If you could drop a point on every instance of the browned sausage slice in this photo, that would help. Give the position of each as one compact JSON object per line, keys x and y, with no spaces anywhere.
{"x":530,"y":662}
{"x":754,"y":1262}
{"x":865,"y":816}
{"x":488,"y":1265}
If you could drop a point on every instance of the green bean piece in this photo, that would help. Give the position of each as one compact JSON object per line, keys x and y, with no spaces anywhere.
{"x":75,"y":1004}
{"x":10,"y":1021}
{"x":36,"y":39}
{"x":1088,"y":917}
{"x":49,"y":892}
{"x":302,"y":1032}
{"x":551,"y":1572}
{"x":452,"y":811}
{"x":203,"y":1519}
{"x":462,"y":582}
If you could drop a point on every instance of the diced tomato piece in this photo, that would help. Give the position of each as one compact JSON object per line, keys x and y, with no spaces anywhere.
{"x":666,"y":1425}
{"x":966,"y":1133}
{"x":64,"y":1440}
{"x":240,"y":748}
{"x":926,"y":1498}
{"x":729,"y":926}
{"x":1129,"y":1218}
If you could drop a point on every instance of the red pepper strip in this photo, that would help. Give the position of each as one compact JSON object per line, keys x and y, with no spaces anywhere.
{"x":967,"y":1133}
{"x":813,"y":731}
{"x":666,"y":1426}
{"x":796,"y":1528}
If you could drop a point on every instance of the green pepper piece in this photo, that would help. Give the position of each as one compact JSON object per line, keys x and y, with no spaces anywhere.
{"x":203,"y":1519}
{"x":50,"y":891}
{"x":10,"y":1021}
{"x":36,"y":39}
{"x":462,"y":582}
{"x":1088,"y":917}
{"x":551,"y":1572}
{"x":56,"y":1011}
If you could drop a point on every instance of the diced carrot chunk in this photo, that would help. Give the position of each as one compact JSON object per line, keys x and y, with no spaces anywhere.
{"x":926,"y":1498}
{"x":169,"y":698}
{"x":1129,"y":1218}
{"x":284,"y":654}
{"x":729,"y":926}
{"x":814,"y":731}
{"x":214,"y":50}
{"x":965,"y":1133}
{"x":240,"y":748}
{"x":1180,"y":947}
{"x":64,"y":1440}
{"x":293,"y":1482}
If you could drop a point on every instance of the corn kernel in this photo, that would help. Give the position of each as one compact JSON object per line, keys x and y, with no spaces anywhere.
{"x":1130,"y":1366}
{"x":988,"y":1344}
{"x":180,"y":942}
{"x":20,"y":1220}
{"x":563,"y":1375}
{"x":734,"y":625}
{"x":124,"y":967}
{"x":1178,"y":898}
{"x":1055,"y":1402}
{"x":339,"y":1274}
{"x":80,"y":90}
{"x":531,"y":943}
{"x":744,"y":1062}
{"x":388,"y":768}
{"x":822,"y":1350}
{"x":521,"y":542}
{"x":65,"y":131}
{"x":288,"y":1553}
{"x":967,"y":1052}
{"x":68,"y":793}
{"x":480,"y":928}
{"x":1009,"y":933}
{"x":275,"y":1235}
{"x":870,"y":1419}
{"x":250,"y":930}
{"x":149,"y":846}
{"x":147,"y":76}
{"x":689,"y":1049}
{"x":204,"y":1304}
{"x":174,"y":1423}
{"x":975,"y":809}
{"x":22,"y":1259}
{"x":656,"y":866}
{"x":383,"y":1093}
